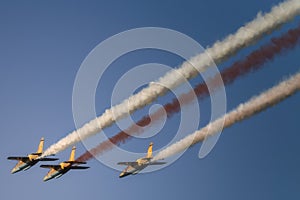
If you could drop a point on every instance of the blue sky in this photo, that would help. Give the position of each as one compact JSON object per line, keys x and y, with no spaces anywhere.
{"x":42,"y":47}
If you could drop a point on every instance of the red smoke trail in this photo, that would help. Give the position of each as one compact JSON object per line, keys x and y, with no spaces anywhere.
{"x":252,"y":62}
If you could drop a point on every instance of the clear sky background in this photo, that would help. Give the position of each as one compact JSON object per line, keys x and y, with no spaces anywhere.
{"x":42,"y":45}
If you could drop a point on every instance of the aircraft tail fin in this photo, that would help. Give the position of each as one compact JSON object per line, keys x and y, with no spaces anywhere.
{"x":72,"y":155}
{"x":41,"y":146}
{"x":149,"y":153}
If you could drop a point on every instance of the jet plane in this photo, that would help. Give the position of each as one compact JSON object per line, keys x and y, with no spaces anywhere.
{"x":28,"y":161}
{"x":140,"y":164}
{"x":57,"y":171}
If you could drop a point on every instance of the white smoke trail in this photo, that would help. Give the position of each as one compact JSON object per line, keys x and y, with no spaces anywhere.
{"x":221,"y":50}
{"x":263,"y":101}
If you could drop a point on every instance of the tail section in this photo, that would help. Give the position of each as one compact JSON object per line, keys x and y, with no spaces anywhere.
{"x":41,"y":146}
{"x":149,"y":153}
{"x":72,"y":155}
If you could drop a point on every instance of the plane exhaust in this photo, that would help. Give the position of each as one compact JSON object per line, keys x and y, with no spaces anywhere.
{"x":245,"y":110}
{"x":220,"y":51}
{"x":253,"y":61}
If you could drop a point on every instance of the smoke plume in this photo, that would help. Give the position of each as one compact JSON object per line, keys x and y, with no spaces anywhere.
{"x":252,"y":62}
{"x":255,"y":105}
{"x":220,"y":51}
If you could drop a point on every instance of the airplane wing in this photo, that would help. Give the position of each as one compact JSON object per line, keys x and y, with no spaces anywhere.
{"x":56,"y":167}
{"x":48,"y":159}
{"x":79,"y":167}
{"x":157,"y":163}
{"x":18,"y":158}
{"x":128,"y":163}
{"x":75,"y":162}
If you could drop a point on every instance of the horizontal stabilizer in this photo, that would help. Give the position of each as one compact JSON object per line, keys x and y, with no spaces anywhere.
{"x":37,"y":154}
{"x":79,"y":167}
{"x":128,"y":163}
{"x":48,"y":159}
{"x":18,"y":158}
{"x":56,"y":167}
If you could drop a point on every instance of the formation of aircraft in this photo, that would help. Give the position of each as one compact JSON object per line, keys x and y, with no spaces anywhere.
{"x":60,"y":169}
{"x":28,"y":161}
{"x":140,"y":164}
{"x":57,"y":171}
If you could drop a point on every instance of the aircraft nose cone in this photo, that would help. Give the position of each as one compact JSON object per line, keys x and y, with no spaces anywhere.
{"x":46,"y":178}
{"x":14,"y":170}
{"x":121,"y":175}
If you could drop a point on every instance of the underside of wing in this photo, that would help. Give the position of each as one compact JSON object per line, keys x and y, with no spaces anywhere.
{"x":79,"y":167}
{"x":18,"y":158}
{"x":74,"y":162}
{"x":157,"y":163}
{"x":56,"y":167}
{"x":127,"y":163}
{"x":48,"y":159}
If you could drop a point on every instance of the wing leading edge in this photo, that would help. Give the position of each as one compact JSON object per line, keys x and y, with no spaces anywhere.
{"x":48,"y":159}
{"x":157,"y":163}
{"x":79,"y":167}
{"x":127,"y":163}
{"x":18,"y":158}
{"x":51,"y":166}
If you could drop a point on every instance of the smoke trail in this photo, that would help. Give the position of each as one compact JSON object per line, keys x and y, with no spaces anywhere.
{"x":220,"y":51}
{"x":252,"y":62}
{"x":265,"y":100}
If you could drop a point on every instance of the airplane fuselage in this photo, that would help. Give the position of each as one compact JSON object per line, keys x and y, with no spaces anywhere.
{"x":21,"y":165}
{"x":26,"y":162}
{"x":56,"y":173}
{"x":142,"y":163}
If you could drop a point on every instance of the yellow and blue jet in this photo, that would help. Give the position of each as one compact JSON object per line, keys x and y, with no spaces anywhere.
{"x":57,"y":171}
{"x":28,"y":161}
{"x":140,"y":164}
